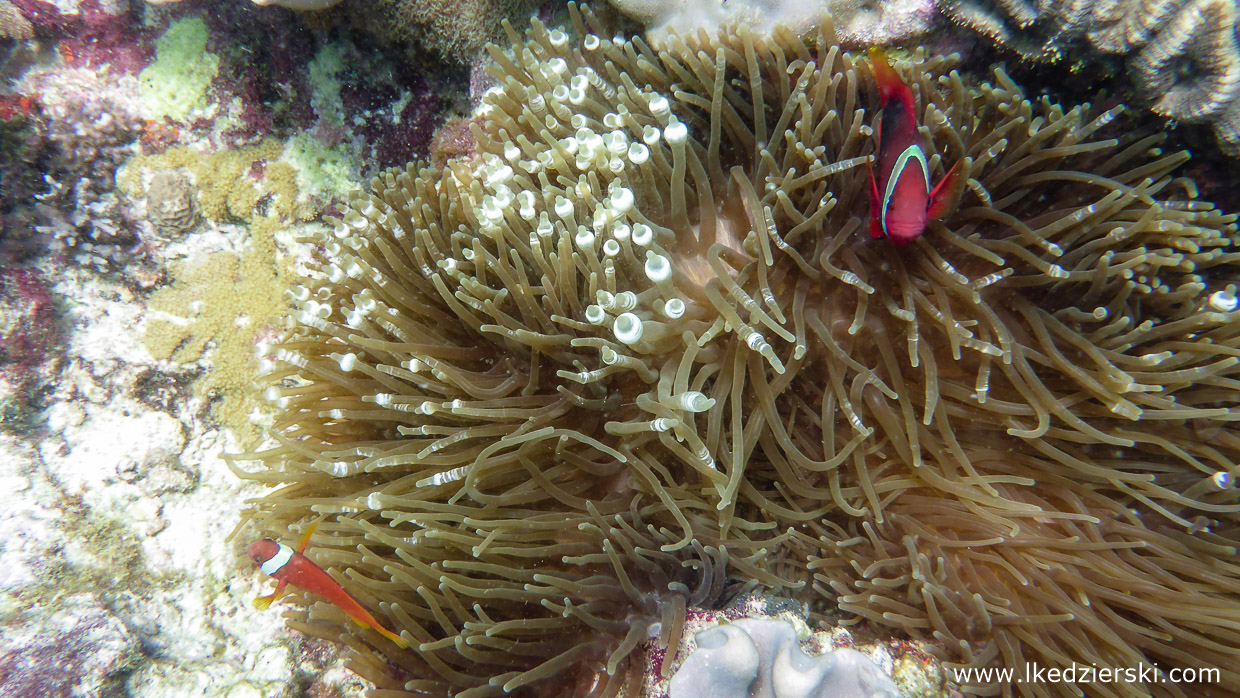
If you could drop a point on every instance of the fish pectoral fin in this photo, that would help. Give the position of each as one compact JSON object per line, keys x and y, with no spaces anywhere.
{"x":946,"y":194}
{"x":262,"y":603}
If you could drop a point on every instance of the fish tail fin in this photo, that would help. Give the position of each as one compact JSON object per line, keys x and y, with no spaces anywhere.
{"x":396,"y":639}
{"x":946,"y":194}
{"x":374,"y":625}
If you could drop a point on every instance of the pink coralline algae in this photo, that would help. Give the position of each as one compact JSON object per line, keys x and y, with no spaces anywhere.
{"x":93,"y":36}
{"x":397,"y":122}
{"x":30,"y":335}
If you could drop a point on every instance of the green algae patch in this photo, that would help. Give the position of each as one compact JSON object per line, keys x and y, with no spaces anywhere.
{"x":177,"y":82}
{"x":325,"y":70}
{"x":322,"y":170}
{"x":218,"y":309}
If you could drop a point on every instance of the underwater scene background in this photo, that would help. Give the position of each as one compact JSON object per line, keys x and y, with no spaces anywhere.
{"x":725,"y":348}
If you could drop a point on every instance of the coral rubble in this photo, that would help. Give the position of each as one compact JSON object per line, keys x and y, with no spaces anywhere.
{"x":1184,"y":54}
{"x":551,"y":394}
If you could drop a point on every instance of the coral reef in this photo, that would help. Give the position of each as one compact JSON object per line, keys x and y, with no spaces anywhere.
{"x":550,"y":395}
{"x":1184,"y":54}
{"x":762,"y":658}
{"x":175,"y":85}
{"x":21,"y":141}
{"x":30,"y":340}
{"x":220,"y":307}
{"x":113,"y":581}
{"x":116,"y":575}
{"x":240,"y":184}
{"x":13,"y":24}
{"x":91,"y":126}
{"x":304,"y":5}
{"x":80,"y":650}
{"x":91,"y":33}
{"x":858,"y":23}
{"x":456,"y":30}
{"x":172,"y":203}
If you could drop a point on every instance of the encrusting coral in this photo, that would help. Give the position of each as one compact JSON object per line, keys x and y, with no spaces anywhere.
{"x":857,"y":22}
{"x":458,"y":30}
{"x":547,"y":396}
{"x":1185,"y":53}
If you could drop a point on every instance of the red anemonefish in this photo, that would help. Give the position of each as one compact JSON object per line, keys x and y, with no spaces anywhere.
{"x":907,"y":202}
{"x":281,"y":562}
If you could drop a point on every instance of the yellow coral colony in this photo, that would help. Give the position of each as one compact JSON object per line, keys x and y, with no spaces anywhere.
{"x":639,"y":345}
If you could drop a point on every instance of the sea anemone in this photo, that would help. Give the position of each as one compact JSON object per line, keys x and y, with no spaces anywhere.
{"x":639,"y":347}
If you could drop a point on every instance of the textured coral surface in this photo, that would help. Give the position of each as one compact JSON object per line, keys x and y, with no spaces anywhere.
{"x":1183,"y":55}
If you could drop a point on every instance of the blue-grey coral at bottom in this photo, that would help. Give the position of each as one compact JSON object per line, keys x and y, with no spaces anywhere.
{"x":762,"y":658}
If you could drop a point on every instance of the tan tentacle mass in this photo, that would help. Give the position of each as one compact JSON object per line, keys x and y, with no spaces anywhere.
{"x":551,"y":395}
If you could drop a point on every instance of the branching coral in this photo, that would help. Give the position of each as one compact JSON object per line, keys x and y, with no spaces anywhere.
{"x":548,"y":395}
{"x":1186,"y":53}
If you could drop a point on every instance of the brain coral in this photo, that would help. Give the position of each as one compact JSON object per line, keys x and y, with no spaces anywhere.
{"x":639,"y":346}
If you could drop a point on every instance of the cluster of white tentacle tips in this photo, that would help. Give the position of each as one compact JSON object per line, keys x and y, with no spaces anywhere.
{"x":581,"y":183}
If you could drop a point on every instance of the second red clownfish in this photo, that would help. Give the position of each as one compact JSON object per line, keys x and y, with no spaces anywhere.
{"x":901,"y":199}
{"x":290,"y":566}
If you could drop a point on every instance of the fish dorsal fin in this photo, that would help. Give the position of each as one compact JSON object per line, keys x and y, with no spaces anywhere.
{"x":305,"y":537}
{"x":888,"y":80}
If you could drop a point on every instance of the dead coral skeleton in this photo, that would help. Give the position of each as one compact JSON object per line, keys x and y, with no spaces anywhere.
{"x":1185,"y":54}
